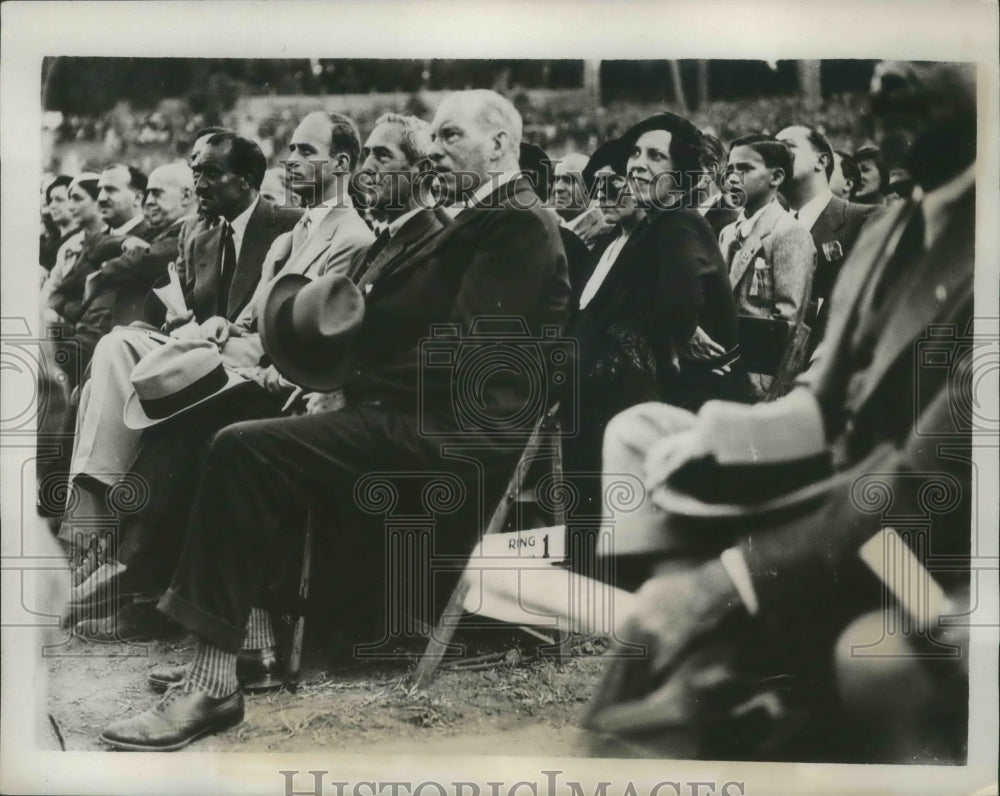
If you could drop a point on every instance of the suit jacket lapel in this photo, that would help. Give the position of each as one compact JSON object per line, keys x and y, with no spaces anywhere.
{"x":626,"y":261}
{"x":317,"y":243}
{"x":939,"y":275}
{"x":412,"y":233}
{"x":256,"y":242}
{"x":831,"y":219}
{"x":862,"y":266}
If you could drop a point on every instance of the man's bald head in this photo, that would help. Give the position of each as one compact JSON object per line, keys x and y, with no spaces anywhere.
{"x":169,"y":194}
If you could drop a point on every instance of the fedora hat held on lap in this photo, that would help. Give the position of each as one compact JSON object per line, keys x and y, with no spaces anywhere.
{"x":308,"y":328}
{"x":173,"y":378}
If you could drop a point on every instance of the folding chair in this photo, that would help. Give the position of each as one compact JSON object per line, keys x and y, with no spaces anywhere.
{"x":546,"y":429}
{"x":775,"y":348}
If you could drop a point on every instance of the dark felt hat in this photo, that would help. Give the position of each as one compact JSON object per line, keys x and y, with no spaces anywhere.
{"x":308,"y":328}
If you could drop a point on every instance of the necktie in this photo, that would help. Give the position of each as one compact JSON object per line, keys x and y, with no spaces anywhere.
{"x":227,"y":266}
{"x":366,"y":275}
{"x":734,"y":245}
{"x":301,"y":233}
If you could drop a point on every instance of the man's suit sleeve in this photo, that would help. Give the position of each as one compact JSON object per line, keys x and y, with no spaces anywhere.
{"x":141,"y":265}
{"x":775,"y":431}
{"x":793,"y":261}
{"x":808,"y":552}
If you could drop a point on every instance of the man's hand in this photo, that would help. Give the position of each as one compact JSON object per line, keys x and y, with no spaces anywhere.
{"x":668,"y":454}
{"x":701,"y":347}
{"x":216,"y":330}
{"x":664,"y":658}
{"x":132,"y":243}
{"x":173,"y":321}
{"x":317,"y":402}
{"x":268,"y":378}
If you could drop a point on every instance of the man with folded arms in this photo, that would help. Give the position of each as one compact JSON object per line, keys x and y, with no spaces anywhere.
{"x":501,"y":256}
{"x":767,"y":588}
{"x":117,"y":291}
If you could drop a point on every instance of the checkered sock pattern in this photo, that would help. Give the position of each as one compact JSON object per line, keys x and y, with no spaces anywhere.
{"x":260,"y":634}
{"x":213,"y":671}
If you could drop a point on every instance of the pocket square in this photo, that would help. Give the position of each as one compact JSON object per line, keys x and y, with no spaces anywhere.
{"x":832,"y":251}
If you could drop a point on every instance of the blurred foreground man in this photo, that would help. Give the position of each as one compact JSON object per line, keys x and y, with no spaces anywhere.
{"x":746,"y":604}
{"x":496,"y":259}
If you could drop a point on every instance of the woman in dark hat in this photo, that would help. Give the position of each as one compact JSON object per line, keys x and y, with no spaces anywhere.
{"x":657,"y":285}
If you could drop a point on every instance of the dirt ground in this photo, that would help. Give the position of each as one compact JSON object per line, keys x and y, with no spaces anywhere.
{"x":354,"y":706}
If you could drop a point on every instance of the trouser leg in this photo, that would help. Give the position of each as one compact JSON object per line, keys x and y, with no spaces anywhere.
{"x":256,"y":476}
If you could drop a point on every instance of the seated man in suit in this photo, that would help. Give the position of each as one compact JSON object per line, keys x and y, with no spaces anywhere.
{"x":500,"y":258}
{"x":330,"y":237}
{"x":537,"y":167}
{"x":224,"y":270}
{"x":834,"y":224}
{"x":116,"y":292}
{"x":572,"y":202}
{"x":119,"y":201}
{"x":795,"y":570}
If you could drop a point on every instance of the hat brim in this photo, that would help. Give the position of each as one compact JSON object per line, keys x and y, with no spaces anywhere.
{"x":283,"y":351}
{"x":136,"y":419}
{"x":679,"y":503}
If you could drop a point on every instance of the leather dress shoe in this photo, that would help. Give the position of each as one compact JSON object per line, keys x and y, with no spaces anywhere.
{"x":258,"y":671}
{"x":101,"y":592}
{"x":181,"y":716}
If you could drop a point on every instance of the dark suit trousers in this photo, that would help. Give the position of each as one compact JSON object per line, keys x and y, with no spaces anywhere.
{"x":257,"y":482}
{"x":169,"y":464}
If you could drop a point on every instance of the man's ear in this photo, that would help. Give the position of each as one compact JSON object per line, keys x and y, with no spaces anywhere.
{"x":777,"y":177}
{"x":849,"y":186}
{"x":824,"y":161}
{"x":501,"y":140}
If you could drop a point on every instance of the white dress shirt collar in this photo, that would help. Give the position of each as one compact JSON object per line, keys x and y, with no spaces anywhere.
{"x":810,"y":212}
{"x":128,"y":226}
{"x":744,"y":225}
{"x":491,"y":184}
{"x":239,"y":225}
